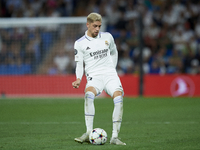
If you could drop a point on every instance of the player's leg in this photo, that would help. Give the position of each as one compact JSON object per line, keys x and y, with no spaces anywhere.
{"x":117,"y":112}
{"x":117,"y":117}
{"x":115,"y":90}
{"x":89,"y":110}
{"x":94,"y":87}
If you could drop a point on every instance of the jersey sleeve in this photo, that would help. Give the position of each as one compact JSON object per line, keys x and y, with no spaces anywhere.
{"x":113,"y":51}
{"x":79,"y":70}
{"x":78,"y":52}
{"x":79,"y":60}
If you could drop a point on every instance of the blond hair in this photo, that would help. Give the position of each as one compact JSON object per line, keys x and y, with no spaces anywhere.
{"x":92,"y":17}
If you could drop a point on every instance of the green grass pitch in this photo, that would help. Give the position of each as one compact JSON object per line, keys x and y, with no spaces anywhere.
{"x":53,"y":123}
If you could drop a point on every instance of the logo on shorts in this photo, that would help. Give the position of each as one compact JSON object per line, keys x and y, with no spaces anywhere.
{"x":89,"y":78}
{"x":182,"y":86}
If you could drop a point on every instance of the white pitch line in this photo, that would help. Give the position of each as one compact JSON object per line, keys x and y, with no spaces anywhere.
{"x":167,"y":122}
{"x":39,"y":123}
{"x":172,"y":122}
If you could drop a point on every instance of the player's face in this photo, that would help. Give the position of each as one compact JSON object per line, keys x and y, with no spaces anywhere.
{"x":93,"y":28}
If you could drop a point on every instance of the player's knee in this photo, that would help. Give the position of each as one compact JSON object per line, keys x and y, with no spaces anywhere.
{"x":89,"y":99}
{"x":117,"y":93}
{"x":89,"y":103}
{"x":118,"y":109}
{"x":91,"y":89}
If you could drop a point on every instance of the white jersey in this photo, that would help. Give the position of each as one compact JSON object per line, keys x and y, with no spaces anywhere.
{"x":99,"y":54}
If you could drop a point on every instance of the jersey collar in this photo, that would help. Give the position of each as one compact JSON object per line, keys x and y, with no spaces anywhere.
{"x":91,"y":38}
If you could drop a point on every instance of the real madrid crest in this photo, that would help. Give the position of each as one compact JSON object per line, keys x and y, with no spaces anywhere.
{"x":106,"y":42}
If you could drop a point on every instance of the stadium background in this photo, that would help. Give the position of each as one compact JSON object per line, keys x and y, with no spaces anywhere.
{"x":39,"y":61}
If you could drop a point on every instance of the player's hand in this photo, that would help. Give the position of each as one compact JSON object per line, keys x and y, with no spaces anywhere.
{"x":76,"y":83}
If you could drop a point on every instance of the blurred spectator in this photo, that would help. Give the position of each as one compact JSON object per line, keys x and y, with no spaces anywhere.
{"x":28,"y":11}
{"x":125,"y":63}
{"x":188,"y":60}
{"x":195,"y":68}
{"x":151,"y":34}
{"x":52,"y":69}
{"x":146,"y":58}
{"x":197,"y":29}
{"x":179,"y":40}
{"x":160,"y":60}
{"x":61,"y":61}
{"x":154,"y":68}
{"x":29,"y":56}
{"x":112,"y":15}
{"x":3,"y":54}
{"x":175,"y":64}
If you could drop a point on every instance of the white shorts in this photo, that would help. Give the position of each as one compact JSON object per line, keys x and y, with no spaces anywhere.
{"x":109,"y":82}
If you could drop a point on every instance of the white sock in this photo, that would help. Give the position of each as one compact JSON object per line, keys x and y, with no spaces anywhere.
{"x":117,"y":115}
{"x":89,"y":111}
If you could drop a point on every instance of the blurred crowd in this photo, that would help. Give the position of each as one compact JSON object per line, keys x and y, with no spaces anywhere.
{"x":171,"y":35}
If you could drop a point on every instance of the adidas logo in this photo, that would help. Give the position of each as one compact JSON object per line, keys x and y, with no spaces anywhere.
{"x":87,"y":48}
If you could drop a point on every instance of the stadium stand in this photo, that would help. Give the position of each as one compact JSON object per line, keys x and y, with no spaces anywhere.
{"x":171,"y":35}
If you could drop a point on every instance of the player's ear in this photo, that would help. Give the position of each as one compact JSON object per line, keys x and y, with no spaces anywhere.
{"x":87,"y":24}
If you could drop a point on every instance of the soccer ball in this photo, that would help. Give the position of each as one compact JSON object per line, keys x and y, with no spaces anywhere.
{"x":98,"y":136}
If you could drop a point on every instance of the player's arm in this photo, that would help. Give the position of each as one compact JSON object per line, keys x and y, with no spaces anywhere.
{"x":79,"y":65}
{"x":113,"y":52}
{"x":79,"y":74}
